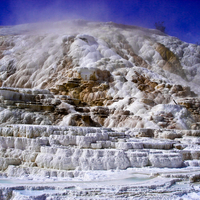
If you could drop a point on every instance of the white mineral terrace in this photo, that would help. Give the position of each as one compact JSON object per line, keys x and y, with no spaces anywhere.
{"x":146,"y":183}
{"x":53,"y":162}
{"x":92,"y":110}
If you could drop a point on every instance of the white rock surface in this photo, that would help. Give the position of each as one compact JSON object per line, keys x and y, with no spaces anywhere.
{"x":79,"y":97}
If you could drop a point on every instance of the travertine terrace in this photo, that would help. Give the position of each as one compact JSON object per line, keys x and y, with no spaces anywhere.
{"x":91,"y":102}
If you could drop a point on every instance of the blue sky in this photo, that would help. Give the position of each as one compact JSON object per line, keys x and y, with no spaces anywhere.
{"x":181,"y":17}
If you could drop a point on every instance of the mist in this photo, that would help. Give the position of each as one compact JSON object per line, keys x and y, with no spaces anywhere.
{"x":45,"y":11}
{"x":180,"y":17}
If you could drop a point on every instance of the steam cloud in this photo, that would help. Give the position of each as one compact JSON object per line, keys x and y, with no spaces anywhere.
{"x":180,"y":17}
{"x":38,"y":11}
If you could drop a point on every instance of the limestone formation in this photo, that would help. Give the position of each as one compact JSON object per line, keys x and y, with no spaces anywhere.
{"x":69,"y":148}
{"x":99,"y":102}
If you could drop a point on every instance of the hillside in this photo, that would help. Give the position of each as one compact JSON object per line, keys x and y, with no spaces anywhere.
{"x":93,"y":101}
{"x":104,"y":74}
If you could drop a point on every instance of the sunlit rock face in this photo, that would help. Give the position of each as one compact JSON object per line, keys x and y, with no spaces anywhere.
{"x":54,"y":148}
{"x":99,"y":74}
{"x":78,"y":96}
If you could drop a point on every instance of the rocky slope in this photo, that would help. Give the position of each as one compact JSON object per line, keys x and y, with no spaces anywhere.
{"x":81,"y":96}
